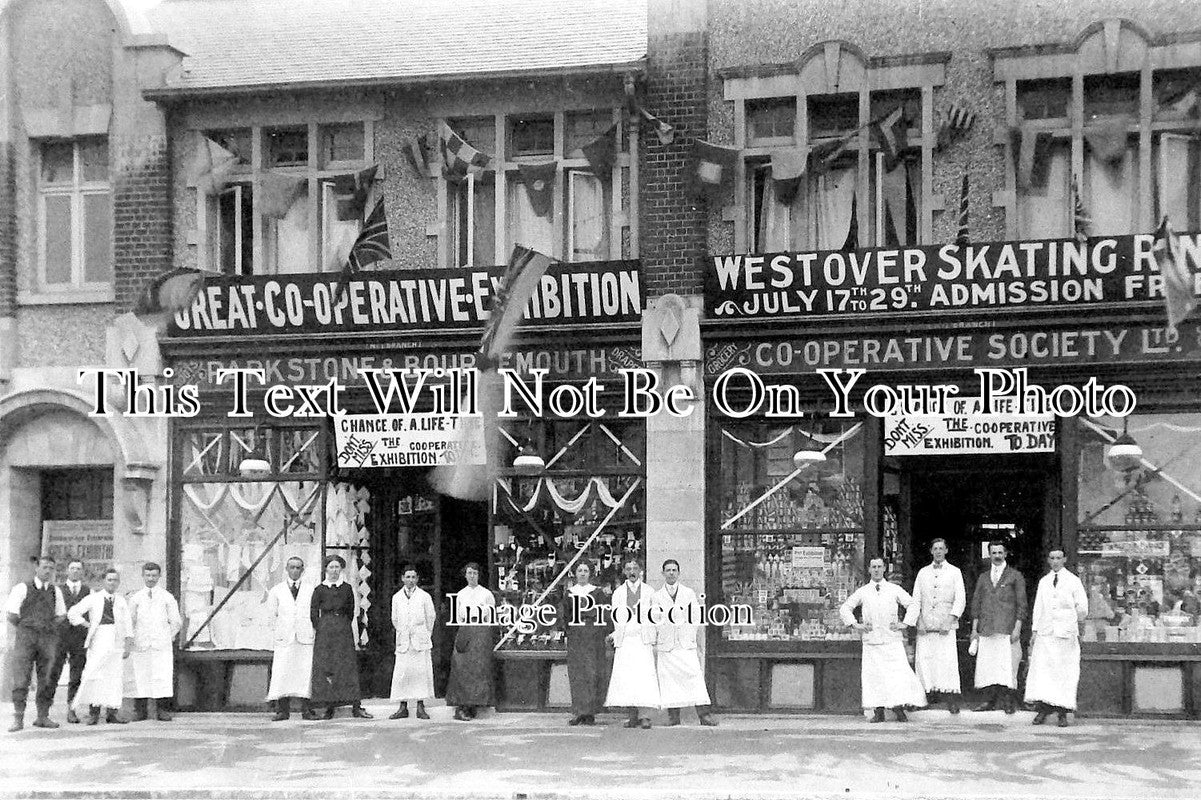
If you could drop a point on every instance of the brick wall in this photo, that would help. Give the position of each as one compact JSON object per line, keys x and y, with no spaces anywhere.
{"x":141,"y":215}
{"x":672,"y":222}
{"x":8,"y":234}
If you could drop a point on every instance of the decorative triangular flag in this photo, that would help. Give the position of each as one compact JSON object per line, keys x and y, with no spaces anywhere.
{"x":212,"y":166}
{"x":354,"y":187}
{"x":712,"y":168}
{"x":171,"y":291}
{"x":665,"y":132}
{"x":539,"y":180}
{"x":418,"y":154}
{"x":957,"y":120}
{"x":787,"y":171}
{"x":891,"y":136}
{"x":823,"y":155}
{"x":459,"y":158}
{"x":1178,"y":283}
{"x":1081,"y":223}
{"x":278,"y":191}
{"x":1032,"y":154}
{"x":1107,"y":139}
{"x":963,"y":236}
{"x":601,"y":153}
{"x":1179,"y":101}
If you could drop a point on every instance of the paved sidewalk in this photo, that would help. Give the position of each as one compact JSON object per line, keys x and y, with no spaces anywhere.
{"x":986,"y":755}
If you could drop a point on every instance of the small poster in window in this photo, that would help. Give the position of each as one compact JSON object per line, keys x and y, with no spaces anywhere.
{"x":807,"y":557}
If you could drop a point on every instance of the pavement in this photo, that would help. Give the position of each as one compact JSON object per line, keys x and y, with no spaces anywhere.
{"x":527,"y":756}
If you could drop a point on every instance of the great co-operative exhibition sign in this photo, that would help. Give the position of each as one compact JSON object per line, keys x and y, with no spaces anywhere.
{"x":938,"y":279}
{"x":413,"y":299}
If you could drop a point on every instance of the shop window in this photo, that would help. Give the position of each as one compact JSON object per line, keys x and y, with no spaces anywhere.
{"x":791,"y":539}
{"x":75,"y":219}
{"x":590,"y":497}
{"x":341,"y":145}
{"x":1139,"y":529}
{"x":77,"y":494}
{"x":771,"y":121}
{"x":236,"y":535}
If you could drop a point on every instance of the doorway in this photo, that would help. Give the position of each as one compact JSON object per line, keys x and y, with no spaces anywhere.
{"x":970,"y":501}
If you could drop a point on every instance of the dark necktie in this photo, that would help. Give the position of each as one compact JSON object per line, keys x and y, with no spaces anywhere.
{"x":106,"y":616}
{"x":295,"y":590}
{"x":877,"y":587}
{"x":1055,"y":580}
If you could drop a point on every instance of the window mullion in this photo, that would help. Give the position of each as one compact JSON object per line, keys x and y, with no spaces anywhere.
{"x":77,"y":267}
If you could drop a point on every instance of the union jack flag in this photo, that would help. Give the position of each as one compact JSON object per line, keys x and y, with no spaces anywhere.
{"x":371,"y":245}
{"x":1082,"y":224}
{"x":521,"y":278}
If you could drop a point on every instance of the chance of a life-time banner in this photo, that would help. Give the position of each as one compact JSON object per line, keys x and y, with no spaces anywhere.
{"x":407,"y":300}
{"x":407,"y":440}
{"x":965,"y":431}
{"x":939,"y":279}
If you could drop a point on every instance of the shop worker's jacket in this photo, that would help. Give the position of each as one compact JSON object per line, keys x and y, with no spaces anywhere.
{"x":998,"y":607}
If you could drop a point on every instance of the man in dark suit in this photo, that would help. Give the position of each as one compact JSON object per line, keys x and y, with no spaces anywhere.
{"x":71,"y":640}
{"x":998,"y":610}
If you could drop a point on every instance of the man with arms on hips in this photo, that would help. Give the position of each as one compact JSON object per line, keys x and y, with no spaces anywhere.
{"x":292,"y":633}
{"x":71,"y":639}
{"x":37,"y":609}
{"x":938,"y":602}
{"x":634,"y":682}
{"x":998,"y":608}
{"x":108,"y":637}
{"x":1060,"y":605}
{"x":413,"y":617}
{"x":156,"y":622}
{"x":888,"y":680}
{"x":681,"y":678}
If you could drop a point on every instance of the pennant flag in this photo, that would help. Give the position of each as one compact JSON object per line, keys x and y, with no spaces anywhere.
{"x":822,"y":156}
{"x":957,"y":120}
{"x":601,"y":153}
{"x":521,"y":278}
{"x":665,"y":132}
{"x":212,"y":166}
{"x":963,"y":238}
{"x":278,"y":191}
{"x":1179,"y":101}
{"x":355,"y":186}
{"x":1107,"y":139}
{"x":1178,"y":285}
{"x":1081,"y":223}
{"x":891,"y":136}
{"x":458,"y":157}
{"x":1032,"y":154}
{"x":371,"y":245}
{"x":539,"y":180}
{"x":418,"y":154}
{"x":171,"y":291}
{"x":787,"y":171}
{"x":713,"y":167}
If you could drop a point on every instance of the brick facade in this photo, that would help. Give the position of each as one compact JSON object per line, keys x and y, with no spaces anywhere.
{"x":142,"y":216}
{"x":8,"y":233}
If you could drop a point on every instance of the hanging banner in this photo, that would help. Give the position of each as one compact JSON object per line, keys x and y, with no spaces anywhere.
{"x":965,"y":431}
{"x":406,"y":300}
{"x":939,"y":278}
{"x":407,"y":440}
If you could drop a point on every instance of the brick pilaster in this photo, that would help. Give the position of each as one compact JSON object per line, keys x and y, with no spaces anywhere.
{"x":142,"y":221}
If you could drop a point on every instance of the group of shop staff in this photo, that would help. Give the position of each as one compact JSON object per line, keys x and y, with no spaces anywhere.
{"x":999,"y":608}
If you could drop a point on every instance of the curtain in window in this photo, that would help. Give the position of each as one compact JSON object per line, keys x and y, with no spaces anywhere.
{"x":1173,"y":179}
{"x":833,"y":206}
{"x":526,"y":227}
{"x":1043,"y":214}
{"x":588,"y":218}
{"x":1111,"y":190}
{"x":292,"y":239}
{"x":775,"y":218}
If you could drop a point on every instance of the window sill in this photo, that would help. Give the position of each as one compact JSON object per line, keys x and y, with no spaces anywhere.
{"x":70,"y":297}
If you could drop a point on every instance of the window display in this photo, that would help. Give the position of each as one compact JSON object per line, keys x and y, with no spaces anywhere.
{"x":1140,"y":530}
{"x":790,"y":526}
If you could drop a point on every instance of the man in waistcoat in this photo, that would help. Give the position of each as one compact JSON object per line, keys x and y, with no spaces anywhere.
{"x":37,"y":609}
{"x":71,"y":646}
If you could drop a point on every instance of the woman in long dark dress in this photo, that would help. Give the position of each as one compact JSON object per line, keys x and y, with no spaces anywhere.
{"x":587,"y":654}
{"x":335,"y":664}
{"x":470,"y":684}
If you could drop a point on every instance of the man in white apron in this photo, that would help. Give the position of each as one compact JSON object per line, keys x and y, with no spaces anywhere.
{"x":681,"y":677}
{"x":109,"y":640}
{"x":888,"y":680}
{"x":289,"y":605}
{"x":413,"y":617}
{"x":633,"y":683}
{"x":1060,"y":605}
{"x":151,"y":670}
{"x":998,"y":608}
{"x":939,"y":599}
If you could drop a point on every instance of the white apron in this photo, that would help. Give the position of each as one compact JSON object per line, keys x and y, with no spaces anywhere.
{"x":634,"y":680}
{"x":888,"y":680}
{"x":997,"y":661}
{"x":413,"y":676}
{"x":291,"y":671}
{"x":937,"y":662}
{"x":1054,"y":671}
{"x":681,"y":681}
{"x":150,"y":669}
{"x":102,"y":681}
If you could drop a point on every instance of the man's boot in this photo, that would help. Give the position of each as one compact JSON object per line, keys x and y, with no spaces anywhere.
{"x":306,"y":711}
{"x":879,"y":715}
{"x":1063,"y":719}
{"x":161,"y":710}
{"x":991,"y":705}
{"x":632,"y":722}
{"x":673,"y":717}
{"x":113,"y":718}
{"x":93,"y":715}
{"x":18,"y":720}
{"x":421,"y":714}
{"x":1041,"y":716}
{"x":900,"y":712}
{"x":283,"y":709}
{"x":400,"y":713}
{"x":953,"y":703}
{"x":703,"y":716}
{"x":1010,"y":700}
{"x":42,"y":720}
{"x":140,"y":714}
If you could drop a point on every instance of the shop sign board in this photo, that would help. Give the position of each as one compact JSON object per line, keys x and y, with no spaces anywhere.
{"x":959,"y":349}
{"x":965,"y":431}
{"x":808,"y":557}
{"x":939,"y":279}
{"x":89,"y":540}
{"x":1137,"y":548}
{"x":407,"y":440}
{"x":406,"y":300}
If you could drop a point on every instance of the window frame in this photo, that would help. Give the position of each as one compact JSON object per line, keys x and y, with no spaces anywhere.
{"x":77,"y":192}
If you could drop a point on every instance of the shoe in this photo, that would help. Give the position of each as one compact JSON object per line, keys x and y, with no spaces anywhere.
{"x":631,"y":723}
{"x":1039,"y":718}
{"x":421,"y":711}
{"x":901,"y":716}
{"x":1063,"y":720}
{"x":707,"y":721}
{"x":359,"y":712}
{"x":878,"y":716}
{"x":470,"y":712}
{"x":18,"y":723}
{"x":309,"y":714}
{"x":329,"y":713}
{"x":94,"y":719}
{"x":45,"y":722}
{"x":588,"y":720}
{"x":645,"y":724}
{"x":115,"y":719}
{"x":72,"y":717}
{"x":953,"y":706}
{"x":399,"y":714}
{"x":162,"y":716}
{"x":461,"y":715}
{"x":991,"y":705}
{"x":280,"y":716}
{"x":1010,"y":707}
{"x":575,"y":721}
{"x":673,"y":717}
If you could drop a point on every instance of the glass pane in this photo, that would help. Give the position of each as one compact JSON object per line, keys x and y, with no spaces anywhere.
{"x":94,"y":155}
{"x":249,"y":443}
{"x":236,"y":141}
{"x":589,"y":218}
{"x":1043,"y":214}
{"x":338,"y":235}
{"x":226,"y":530}
{"x":235,"y":230}
{"x":299,"y":450}
{"x":526,"y":227}
{"x":1044,"y":99}
{"x":584,"y":126}
{"x":770,"y":119}
{"x":1110,"y":96}
{"x":830,"y":115}
{"x":532,"y":136}
{"x":202,"y":452}
{"x":479,"y":132}
{"x":1111,"y":192}
{"x":290,"y":253}
{"x":342,"y":143}
{"x":97,"y":238}
{"x":288,"y":148}
{"x":483,"y":242}
{"x":58,"y":163}
{"x":58,"y":238}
